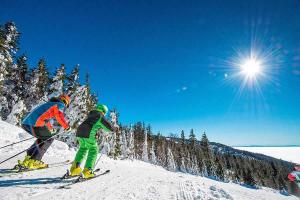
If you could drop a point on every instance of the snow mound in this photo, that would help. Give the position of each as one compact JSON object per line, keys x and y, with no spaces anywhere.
{"x":58,"y":151}
{"x":127,"y":180}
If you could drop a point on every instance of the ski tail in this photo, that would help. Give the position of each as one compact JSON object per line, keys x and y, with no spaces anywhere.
{"x":16,"y":170}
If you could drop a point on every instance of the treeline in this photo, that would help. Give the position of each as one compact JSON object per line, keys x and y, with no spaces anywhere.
{"x":189,"y":155}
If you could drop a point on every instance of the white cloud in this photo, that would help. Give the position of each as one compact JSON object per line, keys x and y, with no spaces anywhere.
{"x":183,"y":88}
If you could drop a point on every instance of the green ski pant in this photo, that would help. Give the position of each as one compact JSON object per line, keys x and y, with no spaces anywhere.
{"x":90,"y":147}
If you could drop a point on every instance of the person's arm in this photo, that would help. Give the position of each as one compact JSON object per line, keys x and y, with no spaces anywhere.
{"x":49,"y":125}
{"x":106,"y":125}
{"x":59,"y":116}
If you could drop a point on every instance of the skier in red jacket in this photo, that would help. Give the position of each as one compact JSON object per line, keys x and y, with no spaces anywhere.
{"x":38,"y":123}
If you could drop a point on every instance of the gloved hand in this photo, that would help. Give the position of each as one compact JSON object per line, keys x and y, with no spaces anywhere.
{"x":69,"y":129}
{"x":52,"y":131}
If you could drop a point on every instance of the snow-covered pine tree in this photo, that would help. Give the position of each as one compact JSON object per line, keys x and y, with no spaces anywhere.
{"x":188,"y":163}
{"x":170,"y":160}
{"x":131,"y":143}
{"x":182,"y":158}
{"x":194,"y":167}
{"x":76,"y":113}
{"x":38,"y":89}
{"x":192,"y":140}
{"x":204,"y":143}
{"x":182,"y":166}
{"x":17,"y":91}
{"x":219,"y":169}
{"x":182,"y":153}
{"x":145,"y":148}
{"x":91,"y":98}
{"x":182,"y":136}
{"x":73,"y":81}
{"x":115,"y":145}
{"x":10,"y":41}
{"x":9,"y":38}
{"x":124,"y":145}
{"x":20,"y":78}
{"x":207,"y":156}
{"x":16,"y":115}
{"x":153,"y":159}
{"x":58,"y":82}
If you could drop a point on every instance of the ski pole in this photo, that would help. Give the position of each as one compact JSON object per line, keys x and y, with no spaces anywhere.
{"x":28,"y":148}
{"x":16,"y":142}
{"x":97,"y":161}
{"x":13,"y":156}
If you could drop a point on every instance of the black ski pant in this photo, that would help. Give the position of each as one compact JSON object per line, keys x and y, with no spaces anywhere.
{"x":41,"y":145}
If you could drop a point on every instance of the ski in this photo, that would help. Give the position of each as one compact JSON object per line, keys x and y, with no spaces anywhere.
{"x":80,"y":179}
{"x":14,"y":171}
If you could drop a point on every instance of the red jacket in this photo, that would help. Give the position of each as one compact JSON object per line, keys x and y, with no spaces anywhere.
{"x":52,"y":112}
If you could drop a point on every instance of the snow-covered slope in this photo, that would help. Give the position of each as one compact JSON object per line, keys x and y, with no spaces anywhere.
{"x":291,"y":154}
{"x":127,"y":180}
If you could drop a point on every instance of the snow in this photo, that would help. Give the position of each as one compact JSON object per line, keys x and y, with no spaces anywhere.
{"x":291,"y":154}
{"x":128,"y":179}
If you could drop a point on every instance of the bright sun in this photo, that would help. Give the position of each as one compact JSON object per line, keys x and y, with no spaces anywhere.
{"x":251,"y":67}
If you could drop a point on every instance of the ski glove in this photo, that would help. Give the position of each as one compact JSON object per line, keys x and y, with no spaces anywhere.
{"x":68,"y":129}
{"x":52,"y":131}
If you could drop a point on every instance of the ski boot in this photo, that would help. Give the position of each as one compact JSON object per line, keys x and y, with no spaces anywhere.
{"x":75,"y":169}
{"x":36,"y":164}
{"x":88,"y":173}
{"x":23,"y":164}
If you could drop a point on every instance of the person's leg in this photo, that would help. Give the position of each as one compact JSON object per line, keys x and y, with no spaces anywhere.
{"x":92,"y":155}
{"x":41,"y":145}
{"x":82,"y":151}
{"x":33,"y":150}
{"x":90,"y":162}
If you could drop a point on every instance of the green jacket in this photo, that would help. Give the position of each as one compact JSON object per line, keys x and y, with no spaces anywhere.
{"x":94,"y":121}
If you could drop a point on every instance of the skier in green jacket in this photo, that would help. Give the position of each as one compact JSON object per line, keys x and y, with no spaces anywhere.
{"x":86,"y":135}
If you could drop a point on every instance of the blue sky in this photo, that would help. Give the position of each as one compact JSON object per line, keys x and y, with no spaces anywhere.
{"x":172,"y":63}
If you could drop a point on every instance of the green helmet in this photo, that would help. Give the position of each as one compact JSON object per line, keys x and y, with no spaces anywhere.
{"x":102,"y":108}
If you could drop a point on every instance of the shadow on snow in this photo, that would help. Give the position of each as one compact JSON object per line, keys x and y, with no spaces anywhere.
{"x":35,"y":181}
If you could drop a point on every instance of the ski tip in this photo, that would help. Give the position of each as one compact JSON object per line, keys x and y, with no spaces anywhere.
{"x":97,"y":170}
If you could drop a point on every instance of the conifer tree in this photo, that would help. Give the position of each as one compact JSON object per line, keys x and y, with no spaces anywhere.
{"x":73,"y":81}
{"x":19,"y":79}
{"x":123,"y":143}
{"x":38,"y":90}
{"x":204,"y":143}
{"x":152,"y":153}
{"x":145,"y":148}
{"x":58,"y":82}
{"x":182,"y":138}
{"x":170,"y":160}
{"x":192,"y":140}
{"x":91,"y":98}
{"x":131,"y":143}
{"x":9,"y":38}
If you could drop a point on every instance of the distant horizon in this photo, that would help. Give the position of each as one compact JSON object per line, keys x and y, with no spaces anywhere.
{"x":297,"y":145}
